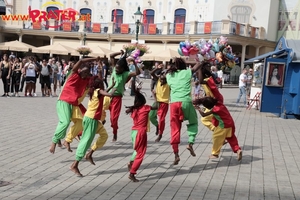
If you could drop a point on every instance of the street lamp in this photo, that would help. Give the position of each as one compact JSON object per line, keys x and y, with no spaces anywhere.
{"x":138,"y":17}
{"x":84,"y":36}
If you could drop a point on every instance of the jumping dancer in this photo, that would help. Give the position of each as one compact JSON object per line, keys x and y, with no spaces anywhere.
{"x":139,"y":113}
{"x":162,"y":96}
{"x":181,"y":107}
{"x":73,"y":89}
{"x":91,"y":124}
{"x":121,"y":75}
{"x":223,"y":122}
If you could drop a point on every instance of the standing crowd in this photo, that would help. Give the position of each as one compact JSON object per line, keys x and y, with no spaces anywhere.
{"x":23,"y":73}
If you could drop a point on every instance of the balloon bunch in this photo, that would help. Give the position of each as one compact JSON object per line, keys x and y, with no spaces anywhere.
{"x":135,"y":54}
{"x":136,"y":51}
{"x":218,"y":52}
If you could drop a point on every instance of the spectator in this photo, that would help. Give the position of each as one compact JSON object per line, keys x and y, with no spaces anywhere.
{"x":220,"y":76}
{"x":5,"y":75}
{"x":16,"y":76}
{"x":153,"y":81}
{"x":45,"y":78}
{"x":242,"y":87}
{"x":105,"y":73}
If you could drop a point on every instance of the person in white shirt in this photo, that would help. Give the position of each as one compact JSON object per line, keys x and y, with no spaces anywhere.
{"x":30,"y":69}
{"x":242,"y":87}
{"x":220,"y":76}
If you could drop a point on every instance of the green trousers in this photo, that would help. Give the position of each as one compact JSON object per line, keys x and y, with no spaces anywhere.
{"x":64,"y":112}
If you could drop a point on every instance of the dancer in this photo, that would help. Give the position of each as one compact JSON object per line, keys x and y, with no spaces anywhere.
{"x":73,"y":90}
{"x":91,"y":124}
{"x":77,"y":117}
{"x":121,"y":75}
{"x":208,"y":82}
{"x":181,"y":107}
{"x":162,"y":96}
{"x":139,"y":113}
{"x":223,"y":122}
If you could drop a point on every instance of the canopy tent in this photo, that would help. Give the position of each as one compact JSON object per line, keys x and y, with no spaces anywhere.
{"x":100,"y":51}
{"x":56,"y":48}
{"x":165,"y":55}
{"x":16,"y":46}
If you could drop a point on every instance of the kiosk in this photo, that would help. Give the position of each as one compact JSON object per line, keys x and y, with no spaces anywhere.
{"x":280,"y":79}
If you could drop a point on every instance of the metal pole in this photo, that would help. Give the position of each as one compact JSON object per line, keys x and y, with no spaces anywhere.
{"x":84,"y":38}
{"x":137,"y":30}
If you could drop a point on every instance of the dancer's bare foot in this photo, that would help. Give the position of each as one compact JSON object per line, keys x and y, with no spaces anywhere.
{"x":89,"y":157}
{"x":176,"y":161}
{"x":239,"y":155}
{"x":129,"y":165}
{"x":59,"y":143}
{"x":132,"y":177}
{"x":213,"y":156}
{"x":74,"y":168}
{"x":158,"y":138}
{"x":190,"y":148}
{"x":67,"y":145}
{"x":156,"y":133}
{"x":52,"y":147}
{"x":115,"y":138}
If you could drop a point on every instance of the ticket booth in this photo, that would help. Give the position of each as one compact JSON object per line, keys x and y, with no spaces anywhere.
{"x":280,"y":79}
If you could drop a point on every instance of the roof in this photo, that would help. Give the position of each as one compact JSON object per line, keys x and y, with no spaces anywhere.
{"x":263,"y":56}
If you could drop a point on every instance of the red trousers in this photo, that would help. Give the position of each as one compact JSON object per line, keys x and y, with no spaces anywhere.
{"x":140,"y":146}
{"x":115,"y":110}
{"x":176,"y":115}
{"x":161,"y":113}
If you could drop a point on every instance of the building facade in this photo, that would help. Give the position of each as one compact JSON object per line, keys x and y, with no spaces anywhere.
{"x":249,"y":25}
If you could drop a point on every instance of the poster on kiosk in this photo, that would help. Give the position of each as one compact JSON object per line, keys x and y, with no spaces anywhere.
{"x":277,"y":79}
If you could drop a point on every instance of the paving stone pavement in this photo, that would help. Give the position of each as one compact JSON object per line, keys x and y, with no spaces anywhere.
{"x":269,"y":169}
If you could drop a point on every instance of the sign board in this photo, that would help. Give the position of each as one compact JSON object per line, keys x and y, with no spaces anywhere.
{"x":139,"y":41}
{"x":96,"y":27}
{"x":207,"y":27}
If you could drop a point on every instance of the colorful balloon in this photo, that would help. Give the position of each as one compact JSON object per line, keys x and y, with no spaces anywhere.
{"x":179,"y":51}
{"x":181,"y":44}
{"x":185,"y":52}
{"x":187,"y":44}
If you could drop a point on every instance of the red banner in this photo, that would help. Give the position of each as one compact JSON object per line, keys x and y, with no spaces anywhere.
{"x":253,"y":32}
{"x":238,"y":29}
{"x":36,"y":25}
{"x":96,"y":28}
{"x":207,"y":27}
{"x":179,"y":28}
{"x":67,"y":26}
{"x":124,"y":28}
{"x":152,"y":29}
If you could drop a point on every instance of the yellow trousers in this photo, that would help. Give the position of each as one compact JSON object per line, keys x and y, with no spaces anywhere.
{"x":102,"y":137}
{"x":219,"y":136}
{"x":206,"y":121}
{"x":76,"y":128}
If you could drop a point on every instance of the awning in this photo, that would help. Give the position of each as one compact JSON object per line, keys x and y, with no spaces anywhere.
{"x":261,"y":57}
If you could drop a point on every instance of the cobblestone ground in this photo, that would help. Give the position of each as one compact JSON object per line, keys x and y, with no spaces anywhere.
{"x":269,"y":169}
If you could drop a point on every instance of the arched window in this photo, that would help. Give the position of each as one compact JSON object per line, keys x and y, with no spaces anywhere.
{"x":148,"y":18}
{"x":180,"y":16}
{"x":117,"y":18}
{"x":85,"y":12}
{"x":241,"y":14}
{"x":52,"y":9}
